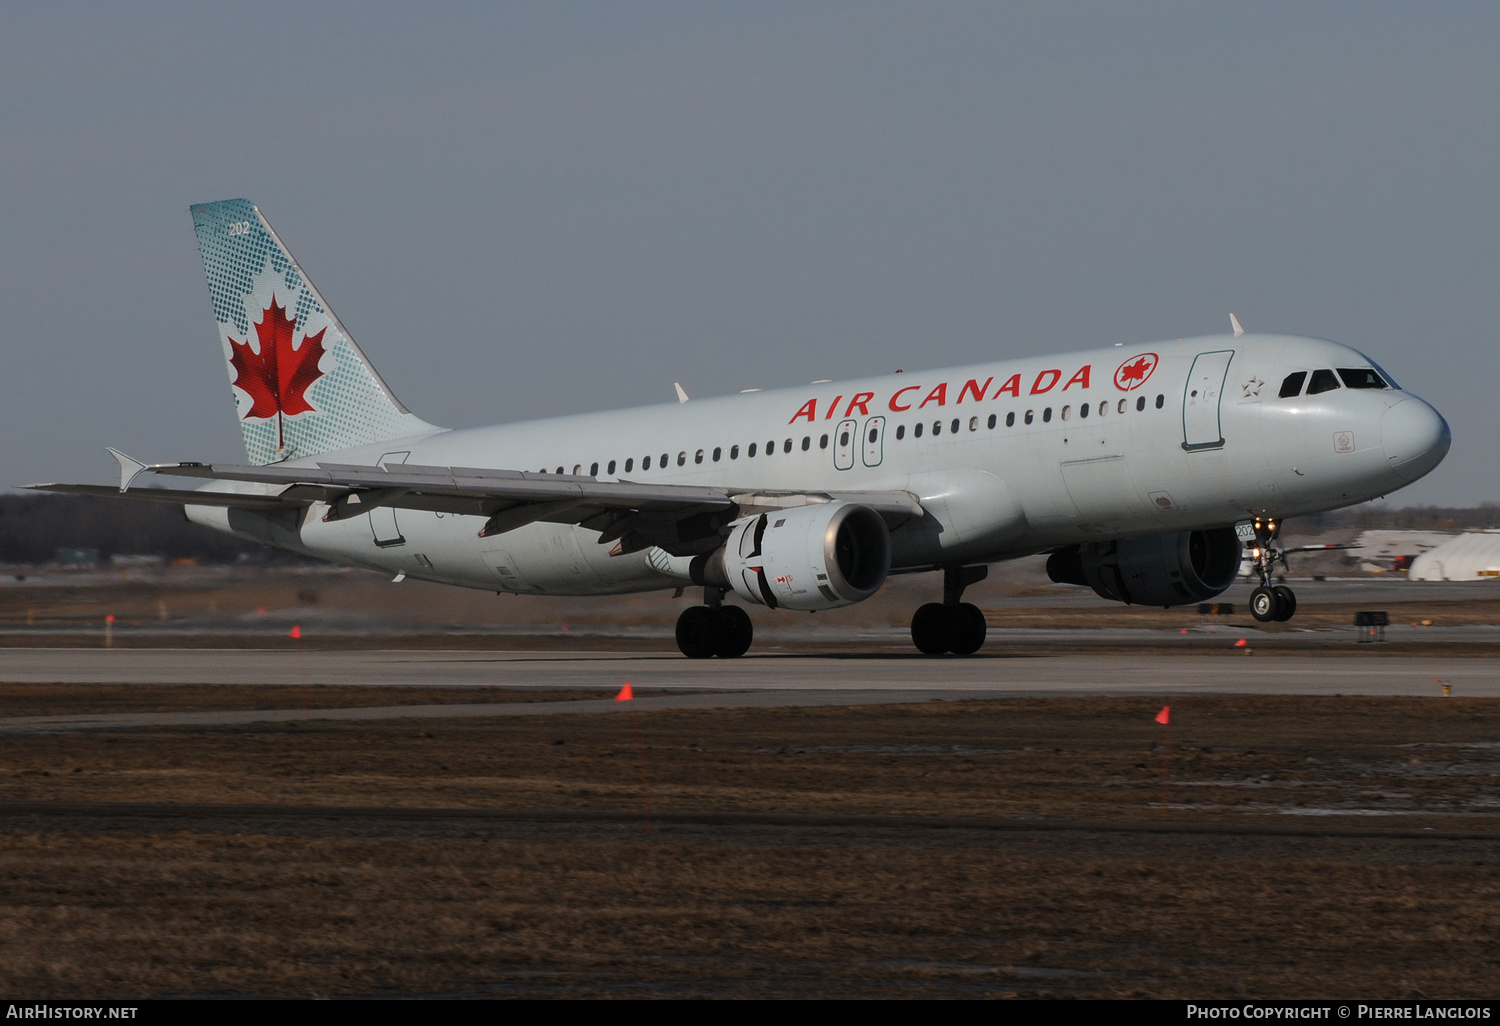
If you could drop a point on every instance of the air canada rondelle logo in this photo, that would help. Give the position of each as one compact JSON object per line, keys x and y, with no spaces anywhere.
{"x":1134,"y":372}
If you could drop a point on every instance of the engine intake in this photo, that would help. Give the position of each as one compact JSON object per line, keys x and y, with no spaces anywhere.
{"x":820,"y":556}
{"x":1161,"y":570}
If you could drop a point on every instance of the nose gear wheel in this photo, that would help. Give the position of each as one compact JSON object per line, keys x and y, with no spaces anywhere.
{"x":1267,"y":602}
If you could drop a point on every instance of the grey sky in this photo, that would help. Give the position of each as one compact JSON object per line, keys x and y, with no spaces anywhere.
{"x":530,"y":209}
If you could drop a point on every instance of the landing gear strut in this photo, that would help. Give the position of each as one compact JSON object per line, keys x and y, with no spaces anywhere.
{"x":1269,"y":602}
{"x":952,"y":625}
{"x":714,"y":629}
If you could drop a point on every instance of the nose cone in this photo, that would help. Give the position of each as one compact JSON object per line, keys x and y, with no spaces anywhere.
{"x":1416,"y":437}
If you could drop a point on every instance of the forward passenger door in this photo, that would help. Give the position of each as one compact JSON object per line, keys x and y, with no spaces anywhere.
{"x":1200,"y":400}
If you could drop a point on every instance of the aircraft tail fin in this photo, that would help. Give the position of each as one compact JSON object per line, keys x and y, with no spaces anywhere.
{"x":301,"y":385}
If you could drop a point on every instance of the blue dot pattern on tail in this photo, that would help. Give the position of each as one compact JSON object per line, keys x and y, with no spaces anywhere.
{"x":248,"y":269}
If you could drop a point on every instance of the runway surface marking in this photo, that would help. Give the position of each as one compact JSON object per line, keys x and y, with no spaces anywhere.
{"x":1010,"y":672}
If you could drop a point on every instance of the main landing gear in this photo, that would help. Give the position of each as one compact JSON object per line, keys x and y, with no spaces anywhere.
{"x":714,"y":629}
{"x":1268,"y":602}
{"x":952,"y":626}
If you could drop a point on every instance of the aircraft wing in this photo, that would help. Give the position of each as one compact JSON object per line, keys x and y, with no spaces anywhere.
{"x":682,"y":519}
{"x":178,"y":496}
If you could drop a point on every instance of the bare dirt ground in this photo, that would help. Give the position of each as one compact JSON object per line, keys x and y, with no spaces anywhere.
{"x":1271,"y":847}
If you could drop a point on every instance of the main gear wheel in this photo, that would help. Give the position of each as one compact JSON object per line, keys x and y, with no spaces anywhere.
{"x":704,"y":632}
{"x":959,"y":628}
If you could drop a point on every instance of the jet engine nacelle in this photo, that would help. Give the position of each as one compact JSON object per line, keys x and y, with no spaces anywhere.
{"x":820,"y":556}
{"x":1161,"y":570}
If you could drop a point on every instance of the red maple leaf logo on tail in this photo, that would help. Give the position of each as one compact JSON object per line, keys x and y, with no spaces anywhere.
{"x":277,"y":377}
{"x":1133,"y":373}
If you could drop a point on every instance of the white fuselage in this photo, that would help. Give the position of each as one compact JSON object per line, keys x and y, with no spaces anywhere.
{"x":1203,"y":441}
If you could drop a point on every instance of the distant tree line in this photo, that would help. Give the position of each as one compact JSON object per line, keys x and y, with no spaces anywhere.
{"x":1369,"y":517}
{"x":33,"y":528}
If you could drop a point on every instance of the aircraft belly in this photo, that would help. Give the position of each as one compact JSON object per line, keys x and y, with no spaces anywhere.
{"x":560,"y":559}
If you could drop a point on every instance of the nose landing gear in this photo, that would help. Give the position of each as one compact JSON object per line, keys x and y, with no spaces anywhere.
{"x":952,"y":625}
{"x":1268,"y":602}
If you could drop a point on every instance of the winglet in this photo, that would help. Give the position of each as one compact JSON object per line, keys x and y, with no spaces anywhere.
{"x":1234,"y":322}
{"x":682,"y":396}
{"x":130,"y":469}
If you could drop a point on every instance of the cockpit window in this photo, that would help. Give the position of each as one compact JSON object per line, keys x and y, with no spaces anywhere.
{"x":1292,"y":386}
{"x":1360,"y":377}
{"x":1322,"y":381}
{"x":1389,"y":381}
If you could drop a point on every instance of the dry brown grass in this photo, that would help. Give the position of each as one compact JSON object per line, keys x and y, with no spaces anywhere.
{"x":1359,"y":902}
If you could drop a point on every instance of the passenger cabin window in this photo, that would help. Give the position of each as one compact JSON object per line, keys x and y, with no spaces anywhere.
{"x":806,"y":442}
{"x":1161,"y":401}
{"x":992,"y":422}
{"x":1047,"y":415}
{"x":718,"y":453}
{"x":786,"y":446}
{"x":900,"y":432}
{"x":954,"y":426}
{"x":750,"y":452}
{"x":937,"y":427}
{"x":594,"y":470}
{"x":1322,"y":381}
{"x":697,"y":457}
{"x":917,"y":431}
{"x":645,"y":463}
{"x":823,"y":442}
{"x":682,"y":458}
{"x":1083,"y":411}
{"x":1029,"y":416}
{"x":611,"y":470}
{"x":1010,"y":419}
{"x":1292,"y":386}
{"x":1360,"y":377}
{"x":734,"y":452}
{"x":630,"y":465}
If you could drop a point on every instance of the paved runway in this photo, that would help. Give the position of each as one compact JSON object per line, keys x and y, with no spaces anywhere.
{"x":757,"y":681}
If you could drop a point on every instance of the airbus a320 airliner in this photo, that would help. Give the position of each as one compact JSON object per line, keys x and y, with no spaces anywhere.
{"x":1141,"y":471}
